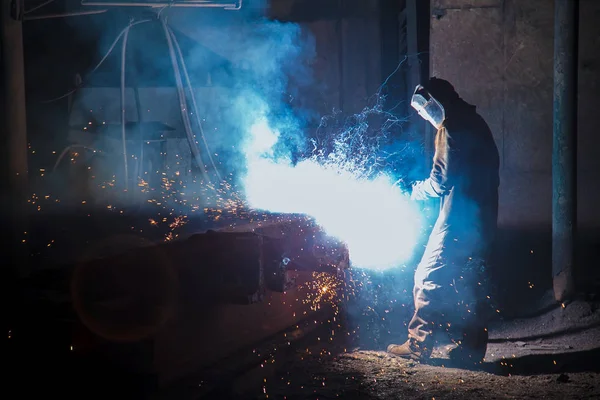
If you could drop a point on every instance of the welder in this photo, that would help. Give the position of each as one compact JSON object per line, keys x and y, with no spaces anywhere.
{"x":449,"y":297}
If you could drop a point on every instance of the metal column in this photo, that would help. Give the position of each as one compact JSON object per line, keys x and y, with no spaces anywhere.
{"x":413,"y":78}
{"x":14,"y":127}
{"x":564,"y":153}
{"x":412,"y":47}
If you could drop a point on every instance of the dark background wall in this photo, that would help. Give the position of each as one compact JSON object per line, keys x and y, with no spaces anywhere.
{"x":499,"y":56}
{"x":352,"y":54}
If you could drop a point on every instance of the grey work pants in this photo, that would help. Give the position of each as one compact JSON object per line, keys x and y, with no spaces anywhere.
{"x":447,"y":296}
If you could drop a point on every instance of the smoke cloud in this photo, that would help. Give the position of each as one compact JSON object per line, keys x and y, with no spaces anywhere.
{"x":335,"y":177}
{"x":218,"y":102}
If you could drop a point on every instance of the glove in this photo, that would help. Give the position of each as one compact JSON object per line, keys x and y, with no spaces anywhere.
{"x":405,"y":186}
{"x":419,"y":190}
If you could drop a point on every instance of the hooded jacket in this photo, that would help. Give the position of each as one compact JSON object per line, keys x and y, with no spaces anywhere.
{"x":465,"y":177}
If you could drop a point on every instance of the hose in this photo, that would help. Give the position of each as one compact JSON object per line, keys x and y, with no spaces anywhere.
{"x":110,"y":49}
{"x":123,"y":133}
{"x":183,"y":107}
{"x":194,"y":104}
{"x":138,"y":107}
{"x":32,"y":9}
{"x":174,"y":51}
{"x":62,"y":154}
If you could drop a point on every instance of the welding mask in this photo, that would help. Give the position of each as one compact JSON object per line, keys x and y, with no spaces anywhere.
{"x":427,"y":106}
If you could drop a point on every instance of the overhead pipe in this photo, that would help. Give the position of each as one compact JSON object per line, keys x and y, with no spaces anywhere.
{"x":13,"y":123}
{"x":564,"y":148}
{"x":62,"y":15}
{"x":193,"y":3}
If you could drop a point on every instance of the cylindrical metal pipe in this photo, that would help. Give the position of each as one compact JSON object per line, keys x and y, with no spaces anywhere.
{"x":62,"y":15}
{"x":196,"y":3}
{"x":564,"y":151}
{"x":14,"y":130}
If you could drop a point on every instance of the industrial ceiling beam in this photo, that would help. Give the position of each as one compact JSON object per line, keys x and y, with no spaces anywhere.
{"x":236,"y":5}
{"x":62,"y":15}
{"x":189,"y":4}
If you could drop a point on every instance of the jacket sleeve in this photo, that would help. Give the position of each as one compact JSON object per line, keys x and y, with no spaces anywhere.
{"x":443,"y":173}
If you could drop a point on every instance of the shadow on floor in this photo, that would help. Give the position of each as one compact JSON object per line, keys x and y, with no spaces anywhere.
{"x":548,"y":335}
{"x":538,"y":364}
{"x":521,"y":269}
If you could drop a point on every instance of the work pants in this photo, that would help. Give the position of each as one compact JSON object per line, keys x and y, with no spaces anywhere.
{"x":448,"y":293}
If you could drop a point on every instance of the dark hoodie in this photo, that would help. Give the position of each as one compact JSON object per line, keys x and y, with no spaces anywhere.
{"x":465,"y":176}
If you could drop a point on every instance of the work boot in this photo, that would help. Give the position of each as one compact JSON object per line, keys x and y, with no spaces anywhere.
{"x":471,"y":348}
{"x":411,"y":349}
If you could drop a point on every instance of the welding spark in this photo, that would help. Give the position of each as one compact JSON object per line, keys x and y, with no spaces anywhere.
{"x":323,"y":290}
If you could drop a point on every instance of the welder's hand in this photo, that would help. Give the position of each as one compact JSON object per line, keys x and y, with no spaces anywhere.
{"x":418,"y":192}
{"x":405,"y":186}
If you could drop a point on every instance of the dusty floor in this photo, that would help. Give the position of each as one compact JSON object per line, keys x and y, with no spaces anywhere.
{"x":534,"y":358}
{"x":375,"y":375}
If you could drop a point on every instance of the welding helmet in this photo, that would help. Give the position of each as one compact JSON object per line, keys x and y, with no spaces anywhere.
{"x":427,"y":106}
